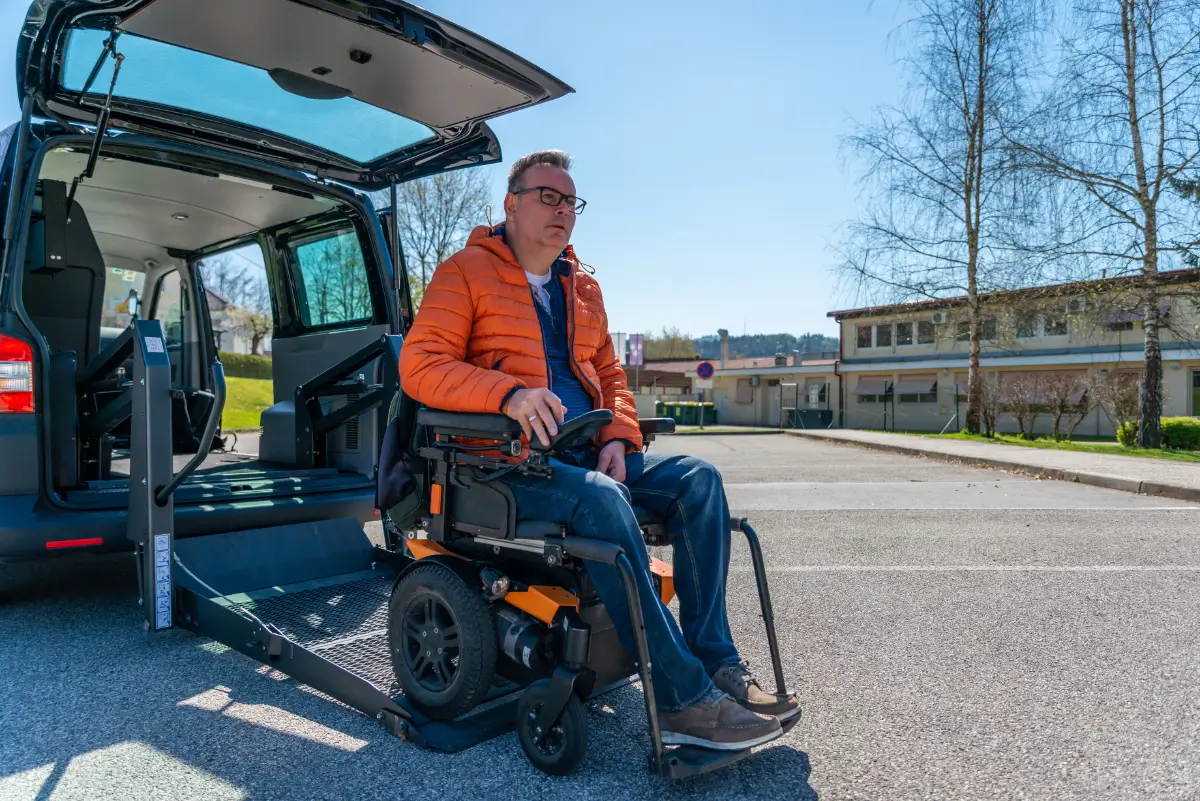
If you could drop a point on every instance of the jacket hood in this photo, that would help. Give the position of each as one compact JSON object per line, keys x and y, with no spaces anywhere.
{"x":492,"y":240}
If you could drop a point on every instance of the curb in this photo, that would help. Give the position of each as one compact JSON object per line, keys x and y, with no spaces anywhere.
{"x":1105,"y":480}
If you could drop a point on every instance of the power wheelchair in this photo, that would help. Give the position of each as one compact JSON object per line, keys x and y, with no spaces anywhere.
{"x":489,"y":599}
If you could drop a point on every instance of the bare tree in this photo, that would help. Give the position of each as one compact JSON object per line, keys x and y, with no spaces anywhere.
{"x":991,"y":402}
{"x":1024,"y":398}
{"x":1068,"y":398}
{"x":941,"y":191}
{"x":254,"y":325}
{"x":1118,"y":395}
{"x":1121,"y":123}
{"x":240,"y":278}
{"x":436,"y":215}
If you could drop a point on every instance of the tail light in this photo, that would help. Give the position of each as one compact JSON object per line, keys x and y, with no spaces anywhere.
{"x":16,"y":375}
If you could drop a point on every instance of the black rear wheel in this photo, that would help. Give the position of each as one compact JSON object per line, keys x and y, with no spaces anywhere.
{"x":442,"y":640}
{"x":560,"y":749}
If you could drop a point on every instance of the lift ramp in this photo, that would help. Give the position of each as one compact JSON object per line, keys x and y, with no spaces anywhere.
{"x":311,"y":600}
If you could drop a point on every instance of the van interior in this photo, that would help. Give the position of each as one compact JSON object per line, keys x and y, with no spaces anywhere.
{"x":223,"y":262}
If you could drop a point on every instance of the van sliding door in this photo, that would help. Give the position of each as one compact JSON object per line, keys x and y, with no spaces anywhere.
{"x":337,"y":305}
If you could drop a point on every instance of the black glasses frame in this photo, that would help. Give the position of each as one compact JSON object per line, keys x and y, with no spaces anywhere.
{"x":577,"y":205}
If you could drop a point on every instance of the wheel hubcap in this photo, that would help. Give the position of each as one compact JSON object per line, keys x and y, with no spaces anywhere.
{"x":549,"y":742}
{"x":431,"y":645}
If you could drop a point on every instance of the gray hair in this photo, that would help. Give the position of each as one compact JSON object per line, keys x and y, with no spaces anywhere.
{"x":550,"y":158}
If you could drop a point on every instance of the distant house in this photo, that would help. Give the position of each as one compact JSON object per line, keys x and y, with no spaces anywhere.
{"x":225,"y":333}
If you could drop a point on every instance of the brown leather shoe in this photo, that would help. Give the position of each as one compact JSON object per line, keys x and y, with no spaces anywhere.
{"x":740,"y":684}
{"x":721,"y":725}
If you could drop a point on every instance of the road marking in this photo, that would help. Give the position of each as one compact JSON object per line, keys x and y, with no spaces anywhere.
{"x":881,"y":508}
{"x":976,"y":568}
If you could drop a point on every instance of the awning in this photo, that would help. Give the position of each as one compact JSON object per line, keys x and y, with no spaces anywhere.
{"x":871,"y":386}
{"x":916,"y":385}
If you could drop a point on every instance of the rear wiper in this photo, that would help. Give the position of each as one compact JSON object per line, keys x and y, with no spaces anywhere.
{"x":110,"y":49}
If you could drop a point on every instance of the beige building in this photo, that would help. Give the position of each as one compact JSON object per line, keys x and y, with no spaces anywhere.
{"x":775,"y":392}
{"x":905,"y":367}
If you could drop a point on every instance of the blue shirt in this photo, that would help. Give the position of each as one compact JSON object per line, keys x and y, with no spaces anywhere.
{"x":556,"y":339}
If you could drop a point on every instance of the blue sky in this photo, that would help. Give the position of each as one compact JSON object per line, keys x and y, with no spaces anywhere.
{"x":706,"y":143}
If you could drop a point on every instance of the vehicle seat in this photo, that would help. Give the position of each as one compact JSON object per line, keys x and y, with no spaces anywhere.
{"x":63,"y":285}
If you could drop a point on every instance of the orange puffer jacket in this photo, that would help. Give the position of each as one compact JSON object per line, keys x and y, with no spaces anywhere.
{"x":477,"y":338}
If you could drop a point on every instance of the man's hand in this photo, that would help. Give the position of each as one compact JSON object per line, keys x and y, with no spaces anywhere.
{"x":538,"y":411}
{"x":612,"y":460}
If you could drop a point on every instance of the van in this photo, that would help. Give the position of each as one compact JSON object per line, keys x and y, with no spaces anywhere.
{"x":229,"y":169}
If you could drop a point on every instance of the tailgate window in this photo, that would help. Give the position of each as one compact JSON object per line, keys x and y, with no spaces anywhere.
{"x":167,"y":75}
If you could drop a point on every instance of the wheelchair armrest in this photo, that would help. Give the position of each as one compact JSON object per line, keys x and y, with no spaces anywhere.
{"x":575,"y":433}
{"x":467,"y":424}
{"x":656,"y":425}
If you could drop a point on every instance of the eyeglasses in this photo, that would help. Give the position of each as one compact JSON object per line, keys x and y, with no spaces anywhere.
{"x":554,"y":198}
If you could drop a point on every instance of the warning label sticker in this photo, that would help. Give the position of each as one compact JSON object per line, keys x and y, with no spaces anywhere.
{"x":154,"y":345}
{"x":162,"y":579}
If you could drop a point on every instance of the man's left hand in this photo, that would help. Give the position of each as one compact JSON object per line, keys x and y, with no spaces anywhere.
{"x":612,"y":461}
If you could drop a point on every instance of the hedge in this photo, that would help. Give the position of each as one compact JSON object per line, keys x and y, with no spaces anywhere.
{"x":1127,"y":434}
{"x":242,"y":365}
{"x":1181,"y":433}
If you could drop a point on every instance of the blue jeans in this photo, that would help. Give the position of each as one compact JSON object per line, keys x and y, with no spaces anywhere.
{"x":689,"y":492}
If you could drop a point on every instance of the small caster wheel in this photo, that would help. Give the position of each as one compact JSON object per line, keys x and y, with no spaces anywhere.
{"x":560,"y":750}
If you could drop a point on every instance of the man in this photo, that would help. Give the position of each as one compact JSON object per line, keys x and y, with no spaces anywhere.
{"x":512,"y":324}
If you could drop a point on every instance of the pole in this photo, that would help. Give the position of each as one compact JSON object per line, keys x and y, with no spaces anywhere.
{"x":399,"y":271}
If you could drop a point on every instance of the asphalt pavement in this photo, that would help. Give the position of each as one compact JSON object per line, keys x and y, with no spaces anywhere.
{"x":953,"y":633}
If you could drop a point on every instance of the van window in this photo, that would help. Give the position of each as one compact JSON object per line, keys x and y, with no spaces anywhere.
{"x":118,"y":284}
{"x":238,"y":297}
{"x":331,"y":281}
{"x":168,"y":308}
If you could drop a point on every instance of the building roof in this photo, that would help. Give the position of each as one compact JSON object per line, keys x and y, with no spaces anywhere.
{"x":689,"y":365}
{"x":1008,"y":296}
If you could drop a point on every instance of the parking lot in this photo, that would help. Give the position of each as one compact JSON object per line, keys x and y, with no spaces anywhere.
{"x":953,"y":633}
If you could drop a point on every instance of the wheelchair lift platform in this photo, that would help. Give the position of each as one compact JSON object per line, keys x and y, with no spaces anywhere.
{"x":310,"y":600}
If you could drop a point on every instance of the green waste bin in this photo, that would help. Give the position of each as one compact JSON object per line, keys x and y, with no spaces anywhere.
{"x":658,"y":409}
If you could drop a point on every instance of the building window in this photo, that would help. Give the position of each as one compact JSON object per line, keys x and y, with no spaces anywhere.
{"x":871,"y":398}
{"x":987,"y":330}
{"x":1054,"y":325}
{"x":925,"y":332}
{"x":921,"y":397}
{"x":1027,"y":328}
{"x":883,"y":336}
{"x":1120,"y":325}
{"x":904,"y":333}
{"x":864,"y":336}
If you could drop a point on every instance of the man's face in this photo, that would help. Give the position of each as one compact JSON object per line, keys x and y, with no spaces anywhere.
{"x":533,"y":221}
